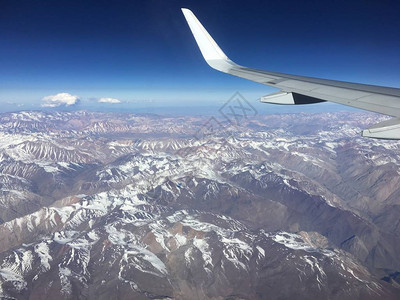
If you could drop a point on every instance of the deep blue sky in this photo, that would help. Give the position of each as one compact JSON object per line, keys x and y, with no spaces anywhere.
{"x":142,"y":52}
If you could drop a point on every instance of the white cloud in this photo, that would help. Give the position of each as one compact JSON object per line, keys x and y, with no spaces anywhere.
{"x":108,"y":100}
{"x":61,"y":99}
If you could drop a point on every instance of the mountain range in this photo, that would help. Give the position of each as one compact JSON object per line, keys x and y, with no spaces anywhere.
{"x":138,"y":206}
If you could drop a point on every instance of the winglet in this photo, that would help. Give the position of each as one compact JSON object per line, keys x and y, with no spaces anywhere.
{"x":211,"y":52}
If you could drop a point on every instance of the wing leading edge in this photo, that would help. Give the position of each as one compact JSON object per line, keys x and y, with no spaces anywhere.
{"x":296,"y":89}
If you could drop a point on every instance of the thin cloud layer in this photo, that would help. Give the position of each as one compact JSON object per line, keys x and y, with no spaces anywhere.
{"x":108,"y":100}
{"x":61,"y":99}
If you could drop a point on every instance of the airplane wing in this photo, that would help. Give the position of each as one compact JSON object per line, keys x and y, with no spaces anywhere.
{"x":296,"y":89}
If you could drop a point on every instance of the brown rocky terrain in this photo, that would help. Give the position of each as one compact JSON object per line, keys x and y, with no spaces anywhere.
{"x":124,"y":206}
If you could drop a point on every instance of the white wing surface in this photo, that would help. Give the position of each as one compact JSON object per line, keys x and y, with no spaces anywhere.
{"x":296,"y":89}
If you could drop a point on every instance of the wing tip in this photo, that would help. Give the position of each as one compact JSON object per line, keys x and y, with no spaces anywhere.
{"x":208,"y":47}
{"x":187,"y":13}
{"x":212,"y":53}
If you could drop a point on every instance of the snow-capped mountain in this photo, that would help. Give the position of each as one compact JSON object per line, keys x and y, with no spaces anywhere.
{"x":124,"y":206}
